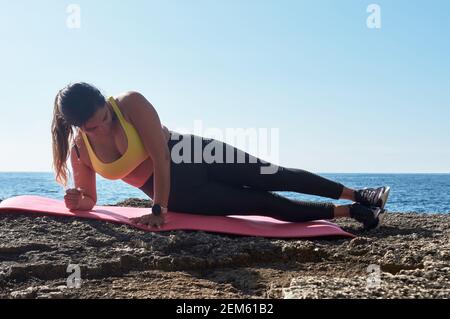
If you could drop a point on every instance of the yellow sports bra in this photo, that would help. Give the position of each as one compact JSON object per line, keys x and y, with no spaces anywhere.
{"x":132,"y":158}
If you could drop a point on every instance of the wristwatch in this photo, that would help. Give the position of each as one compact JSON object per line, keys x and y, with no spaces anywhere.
{"x":157,"y":209}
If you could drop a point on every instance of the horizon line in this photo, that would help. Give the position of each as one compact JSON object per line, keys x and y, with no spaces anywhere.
{"x":50,"y":172}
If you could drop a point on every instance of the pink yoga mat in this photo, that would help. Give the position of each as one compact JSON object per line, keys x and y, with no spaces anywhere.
{"x":237,"y":225}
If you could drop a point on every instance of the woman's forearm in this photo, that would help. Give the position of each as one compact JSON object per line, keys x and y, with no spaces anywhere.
{"x":162,"y":183}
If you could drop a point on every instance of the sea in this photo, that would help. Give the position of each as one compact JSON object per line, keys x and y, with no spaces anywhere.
{"x":423,"y":193}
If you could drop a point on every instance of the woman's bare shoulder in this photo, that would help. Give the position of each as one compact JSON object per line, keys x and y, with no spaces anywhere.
{"x":134,"y":104}
{"x":126,"y":102}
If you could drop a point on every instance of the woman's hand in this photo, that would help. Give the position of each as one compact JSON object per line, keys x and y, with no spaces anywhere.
{"x":73,"y":198}
{"x":150,"y":220}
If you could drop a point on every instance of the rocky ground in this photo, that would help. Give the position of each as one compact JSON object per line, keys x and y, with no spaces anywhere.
{"x":411,"y":252}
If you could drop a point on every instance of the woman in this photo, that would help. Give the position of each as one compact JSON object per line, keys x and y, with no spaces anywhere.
{"x":122,"y":138}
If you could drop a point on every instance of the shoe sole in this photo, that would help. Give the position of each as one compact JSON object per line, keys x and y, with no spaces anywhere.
{"x":384,"y":197}
{"x":381,"y":217}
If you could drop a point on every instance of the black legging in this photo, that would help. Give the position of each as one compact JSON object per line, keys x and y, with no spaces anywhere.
{"x":238,"y":187}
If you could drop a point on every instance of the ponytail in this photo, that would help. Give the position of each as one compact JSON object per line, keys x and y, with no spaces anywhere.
{"x":62,"y":135}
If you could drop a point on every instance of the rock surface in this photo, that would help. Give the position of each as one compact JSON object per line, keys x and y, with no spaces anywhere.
{"x":409,"y":257}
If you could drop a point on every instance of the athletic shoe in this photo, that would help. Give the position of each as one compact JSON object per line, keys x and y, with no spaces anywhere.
{"x":370,"y":217}
{"x":373,"y":196}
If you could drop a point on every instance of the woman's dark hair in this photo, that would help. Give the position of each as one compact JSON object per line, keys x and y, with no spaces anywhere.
{"x":74,"y":106}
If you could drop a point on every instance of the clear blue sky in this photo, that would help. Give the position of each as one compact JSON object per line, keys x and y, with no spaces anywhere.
{"x":345,"y":97}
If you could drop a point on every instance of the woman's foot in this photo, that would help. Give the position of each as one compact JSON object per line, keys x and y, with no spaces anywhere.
{"x":373,"y":196}
{"x":370,"y":217}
